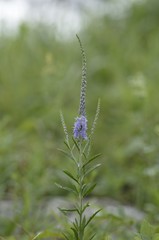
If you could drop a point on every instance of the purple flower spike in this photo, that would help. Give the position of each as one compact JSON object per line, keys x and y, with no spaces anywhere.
{"x":80,"y":128}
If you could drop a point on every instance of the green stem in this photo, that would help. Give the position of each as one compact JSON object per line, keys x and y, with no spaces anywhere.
{"x":81,"y":231}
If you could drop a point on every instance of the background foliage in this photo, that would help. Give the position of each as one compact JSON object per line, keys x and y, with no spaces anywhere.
{"x":40,"y":74}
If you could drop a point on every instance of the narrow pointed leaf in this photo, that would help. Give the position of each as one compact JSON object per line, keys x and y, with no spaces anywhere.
{"x":78,"y":210}
{"x":68,"y":210}
{"x":85,"y":156}
{"x":92,"y":236}
{"x":84,"y":186}
{"x":70,"y":175}
{"x":65,"y":236}
{"x":89,"y":189}
{"x":91,"y":159}
{"x":74,"y":188}
{"x":86,"y":147}
{"x":85,"y":206}
{"x":76,"y":144}
{"x":75,"y":226}
{"x":75,"y":233}
{"x":37,"y":235}
{"x":67,"y":145}
{"x":83,"y":222}
{"x":92,"y":169}
{"x":65,"y":188}
{"x":76,"y":222}
{"x":93,"y":215}
{"x":66,"y":154}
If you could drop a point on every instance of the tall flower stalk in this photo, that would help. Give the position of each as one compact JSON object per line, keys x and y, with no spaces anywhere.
{"x":78,"y":151}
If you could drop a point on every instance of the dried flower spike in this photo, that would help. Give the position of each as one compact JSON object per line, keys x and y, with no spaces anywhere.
{"x":82,"y":107}
{"x":64,"y":127}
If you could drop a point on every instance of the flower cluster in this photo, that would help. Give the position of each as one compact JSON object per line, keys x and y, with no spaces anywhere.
{"x":80,"y":128}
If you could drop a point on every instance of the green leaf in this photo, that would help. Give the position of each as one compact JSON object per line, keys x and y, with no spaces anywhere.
{"x":85,"y":156}
{"x":74,"y":188}
{"x":65,"y":236}
{"x":71,"y":176}
{"x":76,"y":144}
{"x":93,"y":215}
{"x":91,"y":159}
{"x":85,"y":206}
{"x":75,"y":233}
{"x":86,"y":148}
{"x":75,"y":226}
{"x":67,"y":145}
{"x":78,"y":207}
{"x":65,"y":188}
{"x":76,"y":222}
{"x":83,"y":223}
{"x":64,"y":210}
{"x":83,"y":187}
{"x":37,"y":235}
{"x":88,"y":189}
{"x":92,"y":169}
{"x":66,"y":153}
{"x":92,"y":236}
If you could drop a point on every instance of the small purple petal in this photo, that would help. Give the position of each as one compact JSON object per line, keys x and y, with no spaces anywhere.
{"x":80,"y":128}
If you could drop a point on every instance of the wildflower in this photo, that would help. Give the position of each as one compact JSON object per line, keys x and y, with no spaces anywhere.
{"x":80,"y":128}
{"x":79,"y":152}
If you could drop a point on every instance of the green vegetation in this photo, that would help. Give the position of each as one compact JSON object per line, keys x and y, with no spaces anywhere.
{"x":39,"y":75}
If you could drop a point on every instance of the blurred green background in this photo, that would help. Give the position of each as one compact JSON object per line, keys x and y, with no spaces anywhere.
{"x":41,"y":73}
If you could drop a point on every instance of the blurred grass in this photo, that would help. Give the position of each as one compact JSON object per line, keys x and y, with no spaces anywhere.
{"x":39,"y":75}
